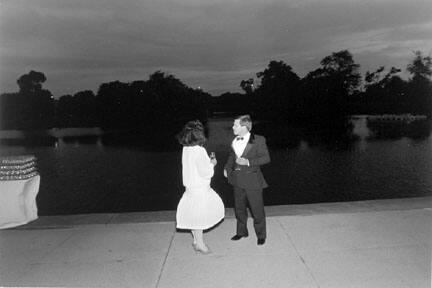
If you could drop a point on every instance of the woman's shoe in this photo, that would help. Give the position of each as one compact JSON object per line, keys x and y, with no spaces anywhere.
{"x":200,"y":250}
{"x":194,"y":246}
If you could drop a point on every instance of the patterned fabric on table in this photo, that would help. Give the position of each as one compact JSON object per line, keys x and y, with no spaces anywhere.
{"x":19,"y":186}
{"x":17,"y":167}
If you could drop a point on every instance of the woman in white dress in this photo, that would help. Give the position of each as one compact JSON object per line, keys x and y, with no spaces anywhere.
{"x":200,"y":207}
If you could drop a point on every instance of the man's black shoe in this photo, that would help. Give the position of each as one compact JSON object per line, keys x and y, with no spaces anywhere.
{"x":238,"y":237}
{"x":260,"y":241}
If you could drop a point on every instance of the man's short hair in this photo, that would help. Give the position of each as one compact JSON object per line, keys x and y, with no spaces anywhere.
{"x":245,"y":120}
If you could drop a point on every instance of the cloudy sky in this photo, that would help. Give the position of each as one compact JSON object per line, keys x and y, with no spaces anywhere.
{"x":80,"y":44}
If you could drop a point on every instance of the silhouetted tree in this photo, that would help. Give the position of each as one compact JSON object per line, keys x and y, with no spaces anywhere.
{"x":421,"y":66}
{"x":247,"y":85}
{"x":112,"y":100}
{"x":65,"y":111}
{"x":327,"y":90}
{"x":86,"y":108}
{"x":420,"y":86}
{"x":384,"y":94}
{"x":277,"y":95}
{"x":11,"y":109}
{"x":32,"y":107}
{"x":31,"y":82}
{"x":232,"y":104}
{"x":140,"y":108}
{"x":173,"y":103}
{"x":342,"y":71}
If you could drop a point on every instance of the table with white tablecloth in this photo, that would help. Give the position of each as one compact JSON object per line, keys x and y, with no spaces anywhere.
{"x":18,"y":201}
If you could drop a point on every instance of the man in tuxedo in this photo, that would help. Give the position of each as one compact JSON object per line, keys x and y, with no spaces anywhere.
{"x":248,"y":152}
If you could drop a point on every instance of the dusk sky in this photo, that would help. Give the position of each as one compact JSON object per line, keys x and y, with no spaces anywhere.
{"x":80,"y":44}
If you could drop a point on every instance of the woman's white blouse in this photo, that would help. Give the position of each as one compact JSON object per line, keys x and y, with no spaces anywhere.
{"x":197,"y":169}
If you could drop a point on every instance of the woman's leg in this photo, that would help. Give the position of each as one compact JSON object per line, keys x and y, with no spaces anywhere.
{"x":194,"y":237}
{"x":198,"y":236}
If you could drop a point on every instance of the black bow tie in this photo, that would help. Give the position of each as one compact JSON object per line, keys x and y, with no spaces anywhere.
{"x":239,"y":138}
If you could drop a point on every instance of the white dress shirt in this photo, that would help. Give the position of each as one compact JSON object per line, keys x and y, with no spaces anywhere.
{"x":240,"y":145}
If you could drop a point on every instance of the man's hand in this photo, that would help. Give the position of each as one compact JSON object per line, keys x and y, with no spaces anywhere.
{"x":225,"y":173}
{"x":242,"y":161}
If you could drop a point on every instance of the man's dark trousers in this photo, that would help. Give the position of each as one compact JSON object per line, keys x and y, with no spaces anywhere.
{"x":243,"y":197}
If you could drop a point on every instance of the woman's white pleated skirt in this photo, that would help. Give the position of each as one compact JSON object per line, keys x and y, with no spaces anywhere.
{"x":199,"y":208}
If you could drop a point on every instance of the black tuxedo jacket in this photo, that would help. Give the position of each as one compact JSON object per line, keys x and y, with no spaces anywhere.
{"x":249,"y":177}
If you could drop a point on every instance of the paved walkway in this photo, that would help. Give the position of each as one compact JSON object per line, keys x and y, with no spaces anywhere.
{"x":382,"y":243}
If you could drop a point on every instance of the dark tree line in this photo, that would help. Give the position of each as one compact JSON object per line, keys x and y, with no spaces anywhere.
{"x":321,"y":99}
{"x":158,"y":105}
{"x":388,"y":93}
{"x":335,"y":90}
{"x":321,"y":102}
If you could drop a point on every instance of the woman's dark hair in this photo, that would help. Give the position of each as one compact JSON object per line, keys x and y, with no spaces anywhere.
{"x":192,"y":134}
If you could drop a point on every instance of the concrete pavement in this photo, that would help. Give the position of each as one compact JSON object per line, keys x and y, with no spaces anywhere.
{"x":380,"y":243}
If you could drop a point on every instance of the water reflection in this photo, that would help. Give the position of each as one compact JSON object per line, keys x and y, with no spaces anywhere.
{"x":384,"y":130}
{"x":360,"y":127}
{"x":116,"y":172}
{"x":157,"y":141}
{"x":331,"y":136}
{"x":341,"y":135}
{"x":30,"y":139}
{"x":81,"y":140}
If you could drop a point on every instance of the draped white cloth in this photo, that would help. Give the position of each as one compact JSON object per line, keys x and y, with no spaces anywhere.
{"x":200,"y":206}
{"x":18,"y":201}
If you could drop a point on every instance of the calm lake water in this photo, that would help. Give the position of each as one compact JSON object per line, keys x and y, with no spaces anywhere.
{"x":82,"y":175}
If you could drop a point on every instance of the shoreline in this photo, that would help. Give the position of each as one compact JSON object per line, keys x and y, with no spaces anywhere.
{"x":70,"y":221}
{"x":58,"y":132}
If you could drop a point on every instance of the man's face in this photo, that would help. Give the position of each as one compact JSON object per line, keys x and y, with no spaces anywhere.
{"x":238,"y":129}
